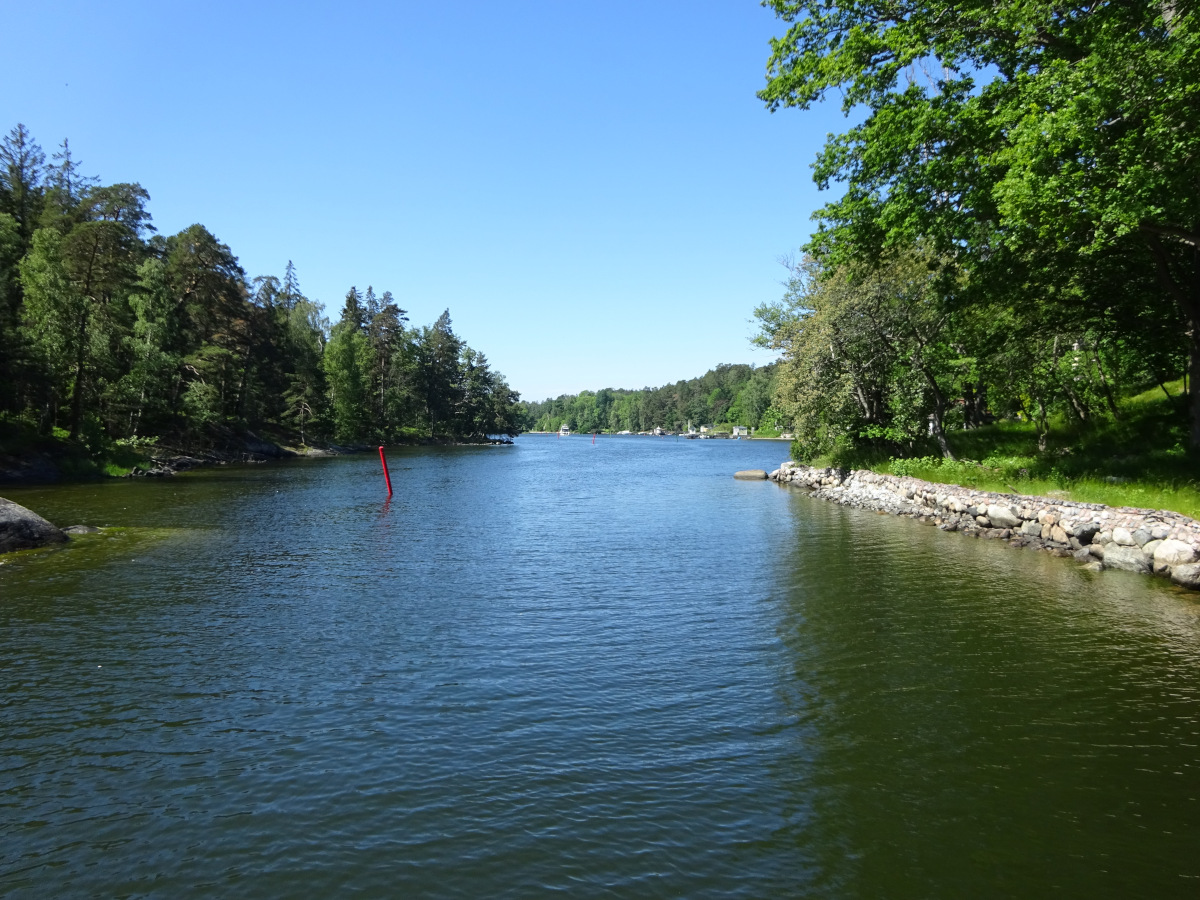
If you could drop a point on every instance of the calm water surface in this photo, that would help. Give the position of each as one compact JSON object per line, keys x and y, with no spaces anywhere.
{"x":591,"y":670}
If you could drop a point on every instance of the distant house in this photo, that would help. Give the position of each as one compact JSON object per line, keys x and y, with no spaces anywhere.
{"x":705,"y":429}
{"x":739,"y":430}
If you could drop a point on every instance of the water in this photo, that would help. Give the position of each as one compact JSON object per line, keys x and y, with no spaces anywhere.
{"x":593,"y":670}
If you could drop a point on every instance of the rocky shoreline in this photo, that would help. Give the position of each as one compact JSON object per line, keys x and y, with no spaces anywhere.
{"x":1151,"y":542}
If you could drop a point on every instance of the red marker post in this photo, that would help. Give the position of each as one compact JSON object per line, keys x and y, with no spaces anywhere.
{"x":386,"y":476}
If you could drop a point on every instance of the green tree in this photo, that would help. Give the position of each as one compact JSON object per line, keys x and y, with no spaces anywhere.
{"x":1030,"y":140}
{"x":347,"y":365}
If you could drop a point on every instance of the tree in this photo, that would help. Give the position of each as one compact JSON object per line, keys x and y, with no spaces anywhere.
{"x":346,"y":364}
{"x":22,"y":165}
{"x":54,"y":319}
{"x":1028,"y":140}
{"x":437,"y":372}
{"x":868,"y":353}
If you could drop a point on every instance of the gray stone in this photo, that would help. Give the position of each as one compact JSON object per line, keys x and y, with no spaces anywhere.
{"x":1033,"y":529}
{"x":1002,"y":516}
{"x":1148,"y":549}
{"x":1187,"y":575}
{"x":984,"y":521}
{"x":21,"y":529}
{"x":1086,"y":532}
{"x":1123,"y":556}
{"x":1122,"y":536}
{"x":1174,"y":553}
{"x":751,"y":475}
{"x":1159,"y":532}
{"x":1142,"y":536}
{"x":1083,"y":555}
{"x":1096,"y":566}
{"x":1057,"y":534}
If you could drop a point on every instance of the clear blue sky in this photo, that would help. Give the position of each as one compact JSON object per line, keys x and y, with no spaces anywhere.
{"x":593,"y":190}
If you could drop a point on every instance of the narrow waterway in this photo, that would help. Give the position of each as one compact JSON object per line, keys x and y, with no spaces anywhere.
{"x":600,"y":669}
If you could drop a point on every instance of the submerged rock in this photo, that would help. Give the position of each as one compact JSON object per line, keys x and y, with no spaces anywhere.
{"x":751,"y":475}
{"x":81,"y":529}
{"x":22,"y":529}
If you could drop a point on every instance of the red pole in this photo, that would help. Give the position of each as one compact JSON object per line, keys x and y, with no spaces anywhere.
{"x":386,"y":476}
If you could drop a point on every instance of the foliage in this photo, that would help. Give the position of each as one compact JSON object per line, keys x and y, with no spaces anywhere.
{"x":109,"y":332}
{"x":729,"y":394}
{"x":1047,"y":152}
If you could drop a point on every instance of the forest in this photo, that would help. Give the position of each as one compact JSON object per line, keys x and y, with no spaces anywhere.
{"x":111,"y":333}
{"x":1015,"y":231}
{"x":726,"y":395}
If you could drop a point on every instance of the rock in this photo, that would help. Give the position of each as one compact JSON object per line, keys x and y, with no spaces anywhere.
{"x":1174,"y":553}
{"x":1086,"y":532}
{"x":1142,"y":536}
{"x":1084,"y":555}
{"x":1057,"y":534}
{"x":1160,"y":532}
{"x":1122,"y":536}
{"x":81,"y":529}
{"x":21,"y":529}
{"x":1002,"y":517}
{"x":1032,"y":529}
{"x":983,"y":521}
{"x":1148,"y":549}
{"x":1096,"y":566}
{"x":751,"y":475}
{"x":1187,"y":575}
{"x":1127,"y":557}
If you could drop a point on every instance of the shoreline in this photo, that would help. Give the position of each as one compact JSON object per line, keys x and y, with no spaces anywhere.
{"x":43,"y":468}
{"x":1146,"y":541}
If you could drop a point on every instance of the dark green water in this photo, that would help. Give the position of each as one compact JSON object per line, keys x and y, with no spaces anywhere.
{"x":604,"y":670}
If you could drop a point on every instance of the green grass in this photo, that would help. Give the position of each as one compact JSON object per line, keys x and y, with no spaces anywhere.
{"x":1140,"y":459}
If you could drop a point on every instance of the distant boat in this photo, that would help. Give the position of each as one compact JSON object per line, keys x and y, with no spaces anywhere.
{"x":564,"y":431}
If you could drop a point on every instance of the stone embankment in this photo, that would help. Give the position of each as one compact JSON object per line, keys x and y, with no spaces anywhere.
{"x":1102,"y":537}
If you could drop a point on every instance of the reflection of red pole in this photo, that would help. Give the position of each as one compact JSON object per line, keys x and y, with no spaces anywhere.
{"x":386,"y":476}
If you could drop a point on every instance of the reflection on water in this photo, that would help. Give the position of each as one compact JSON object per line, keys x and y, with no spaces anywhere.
{"x":607,"y":670}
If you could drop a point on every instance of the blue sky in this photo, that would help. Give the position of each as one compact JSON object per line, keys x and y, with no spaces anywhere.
{"x":593,"y":190}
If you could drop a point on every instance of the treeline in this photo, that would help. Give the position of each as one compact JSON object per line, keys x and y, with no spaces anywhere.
{"x":1019,"y":235}
{"x":110,"y":331}
{"x":728,"y":394}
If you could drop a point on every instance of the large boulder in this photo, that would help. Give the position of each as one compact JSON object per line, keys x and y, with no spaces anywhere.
{"x":21,"y":529}
{"x":1174,"y":553}
{"x":1187,"y":575}
{"x":751,"y":474}
{"x":1129,"y":558}
{"x":1002,"y":516}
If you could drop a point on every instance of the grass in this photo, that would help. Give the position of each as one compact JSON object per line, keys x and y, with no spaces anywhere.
{"x":1140,"y":459}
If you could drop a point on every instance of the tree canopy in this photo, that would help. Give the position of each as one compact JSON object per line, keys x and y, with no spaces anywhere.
{"x":109,"y":331}
{"x":1045,"y":154}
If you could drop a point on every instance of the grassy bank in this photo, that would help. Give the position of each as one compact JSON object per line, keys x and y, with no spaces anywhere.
{"x":1137,"y":459}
